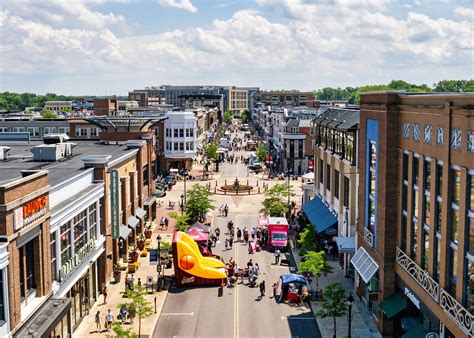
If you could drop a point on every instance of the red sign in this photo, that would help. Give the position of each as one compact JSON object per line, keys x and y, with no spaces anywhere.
{"x":34,"y":206}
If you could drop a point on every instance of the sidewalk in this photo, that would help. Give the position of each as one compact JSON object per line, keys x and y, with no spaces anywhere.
{"x":362,"y":324}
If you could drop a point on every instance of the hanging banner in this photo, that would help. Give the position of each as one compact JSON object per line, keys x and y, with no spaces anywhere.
{"x":114,"y":202}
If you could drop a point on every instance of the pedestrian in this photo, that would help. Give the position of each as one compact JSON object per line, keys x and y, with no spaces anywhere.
{"x":249,"y":264}
{"x":277,"y":256}
{"x":226,"y":210}
{"x":98,"y":319}
{"x":254,"y":232}
{"x":104,"y":292}
{"x":257,"y":269}
{"x":250,"y":247}
{"x":231,"y":241}
{"x":109,"y":318}
{"x":262,"y":289}
{"x":139,"y":282}
{"x":218,"y":232}
{"x":162,"y":222}
{"x":166,"y":223}
{"x":239,"y":234}
{"x":123,"y":314}
{"x":226,"y":244}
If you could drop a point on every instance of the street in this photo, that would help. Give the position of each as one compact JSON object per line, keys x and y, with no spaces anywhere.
{"x":239,"y":312}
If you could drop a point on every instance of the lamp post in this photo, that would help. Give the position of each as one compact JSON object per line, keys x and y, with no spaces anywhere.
{"x":350,"y":301}
{"x":182,"y":203}
{"x":158,"y":267}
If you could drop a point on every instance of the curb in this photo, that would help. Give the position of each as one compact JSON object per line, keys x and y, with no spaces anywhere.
{"x":159,"y":310}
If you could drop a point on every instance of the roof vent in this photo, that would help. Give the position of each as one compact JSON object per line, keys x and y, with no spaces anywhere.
{"x":3,"y":153}
{"x":52,"y":152}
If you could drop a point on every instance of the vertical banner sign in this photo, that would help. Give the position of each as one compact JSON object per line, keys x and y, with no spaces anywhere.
{"x":114,"y":202}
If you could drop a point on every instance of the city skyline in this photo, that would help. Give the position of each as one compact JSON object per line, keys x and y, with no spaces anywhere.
{"x":107,"y":48}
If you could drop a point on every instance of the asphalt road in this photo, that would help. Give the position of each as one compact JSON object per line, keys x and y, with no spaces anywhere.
{"x":239,"y":312}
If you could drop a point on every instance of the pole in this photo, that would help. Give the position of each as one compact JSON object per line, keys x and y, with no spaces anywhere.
{"x":350,"y":315}
{"x":185,"y":175}
{"x":159,"y":266}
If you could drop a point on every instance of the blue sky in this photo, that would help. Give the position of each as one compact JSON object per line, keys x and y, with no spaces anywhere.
{"x":110,"y":47}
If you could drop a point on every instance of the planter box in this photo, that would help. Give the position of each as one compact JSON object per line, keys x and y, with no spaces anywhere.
{"x":144,"y":253}
{"x":132,"y":267}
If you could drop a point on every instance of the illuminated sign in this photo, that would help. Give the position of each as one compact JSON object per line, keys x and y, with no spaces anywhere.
{"x":30,"y":212}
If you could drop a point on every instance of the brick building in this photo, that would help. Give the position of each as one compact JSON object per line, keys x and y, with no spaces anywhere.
{"x":106,"y":107}
{"x":286,"y":99}
{"x":415,"y":232}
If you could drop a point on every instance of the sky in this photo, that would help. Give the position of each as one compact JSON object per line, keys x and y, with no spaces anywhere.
{"x":105,"y":47}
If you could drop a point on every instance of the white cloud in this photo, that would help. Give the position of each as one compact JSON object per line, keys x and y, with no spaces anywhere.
{"x":187,"y":5}
{"x":464,"y":11}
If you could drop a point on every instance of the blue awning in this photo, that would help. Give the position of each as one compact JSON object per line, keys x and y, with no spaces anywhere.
{"x":319,"y":214}
{"x":293,"y":278}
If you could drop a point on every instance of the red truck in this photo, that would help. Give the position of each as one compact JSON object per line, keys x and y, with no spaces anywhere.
{"x":278,"y":233}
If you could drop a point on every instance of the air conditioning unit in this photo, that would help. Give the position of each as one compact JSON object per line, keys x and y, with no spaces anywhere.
{"x":4,"y":153}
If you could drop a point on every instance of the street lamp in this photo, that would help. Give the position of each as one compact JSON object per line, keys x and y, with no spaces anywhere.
{"x":182,"y":203}
{"x":350,"y":301}
{"x":158,"y":267}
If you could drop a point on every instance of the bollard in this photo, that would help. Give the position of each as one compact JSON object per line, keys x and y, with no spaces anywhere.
{"x":257,"y":183}
{"x":215,"y":190}
{"x":247,"y":182}
{"x":259,"y":190}
{"x":216,"y":183}
{"x":249,"y":192}
{"x":225,"y":182}
{"x":155,"y":304}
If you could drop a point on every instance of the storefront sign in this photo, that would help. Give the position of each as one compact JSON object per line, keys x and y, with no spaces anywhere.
{"x":114,"y":202}
{"x":412,"y":297}
{"x":30,"y":212}
{"x":74,"y":261}
{"x":154,"y":257}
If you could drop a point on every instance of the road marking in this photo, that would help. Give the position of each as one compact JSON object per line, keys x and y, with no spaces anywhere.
{"x":296,"y":318}
{"x":178,"y":314}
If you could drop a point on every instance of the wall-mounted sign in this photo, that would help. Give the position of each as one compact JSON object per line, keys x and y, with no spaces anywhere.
{"x":30,"y":212}
{"x":68,"y":266}
{"x":412,"y":297}
{"x":114,"y":202}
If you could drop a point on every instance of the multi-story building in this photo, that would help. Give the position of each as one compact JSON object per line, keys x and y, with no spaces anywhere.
{"x":125,"y":106}
{"x":286,"y":99}
{"x":180,"y":139}
{"x":236,"y":99}
{"x":173,"y":94}
{"x":140,"y":96}
{"x":194,"y":101}
{"x":415,"y":232}
{"x":58,"y":106}
{"x":64,"y":227}
{"x":103,"y":107}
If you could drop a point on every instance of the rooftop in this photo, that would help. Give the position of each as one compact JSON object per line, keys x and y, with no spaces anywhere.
{"x":339,"y":118}
{"x":20,"y":158}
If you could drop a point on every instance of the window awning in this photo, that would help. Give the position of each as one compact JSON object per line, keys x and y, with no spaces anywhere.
{"x":346,"y":244}
{"x":124,"y":231}
{"x":418,"y":331}
{"x":140,"y":213}
{"x":364,"y":264}
{"x":45,"y":318}
{"x":319,"y":214}
{"x":132,"y":221}
{"x":149,"y":201}
{"x":393,"y":305}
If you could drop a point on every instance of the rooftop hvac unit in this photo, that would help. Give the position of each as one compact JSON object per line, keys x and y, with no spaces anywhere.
{"x":3,"y":153}
{"x":52,"y":152}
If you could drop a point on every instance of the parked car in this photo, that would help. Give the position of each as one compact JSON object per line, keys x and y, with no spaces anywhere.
{"x":256,"y":166}
{"x":159,"y":193}
{"x":161,"y":186}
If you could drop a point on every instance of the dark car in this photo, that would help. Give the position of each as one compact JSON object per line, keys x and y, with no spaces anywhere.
{"x":161,"y":186}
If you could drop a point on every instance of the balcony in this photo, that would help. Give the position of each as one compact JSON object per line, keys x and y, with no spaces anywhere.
{"x":369,"y":237}
{"x":448,"y":303}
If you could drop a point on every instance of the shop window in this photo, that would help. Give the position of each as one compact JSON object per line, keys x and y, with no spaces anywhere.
{"x":328,"y":177}
{"x":65,"y":243}
{"x":80,"y":230}
{"x":54,"y":255}
{"x":452,"y":271}
{"x":336,"y":184}
{"x":346,"y":191}
{"x":93,"y":221}
{"x":427,"y":175}
{"x":425,"y":256}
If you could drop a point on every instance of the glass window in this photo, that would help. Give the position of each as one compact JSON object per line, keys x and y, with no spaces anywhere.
{"x":27,"y":270}
{"x":455,"y":225}
{"x":416,"y":161}
{"x":470,"y":242}
{"x":453,"y":268}
{"x":427,"y":210}
{"x":80,"y":230}
{"x":456,"y":185}
{"x":404,"y":197}
{"x":372,"y":182}
{"x":426,"y":250}
{"x":181,"y":133}
{"x":321,"y":174}
{"x":439,"y":216}
{"x":414,"y":236}
{"x":403,"y":233}
{"x":328,"y":177}
{"x":336,"y":184}
{"x":373,"y":155}
{"x":469,"y":287}
{"x":427,"y":175}
{"x":471,"y":184}
{"x":65,"y":243}
{"x":54,"y":269}
{"x":2,"y":299}
{"x":93,"y":221}
{"x":346,"y":191}
{"x":181,"y":146}
{"x":371,"y":215}
{"x":439,"y":179}
{"x":437,"y":260}
{"x":405,"y":166}
{"x":416,"y":206}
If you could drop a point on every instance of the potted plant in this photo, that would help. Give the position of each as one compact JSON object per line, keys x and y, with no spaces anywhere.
{"x":117,"y":274}
{"x":141,"y":242}
{"x":148,"y":231}
{"x":144,"y":252}
{"x":134,"y":253}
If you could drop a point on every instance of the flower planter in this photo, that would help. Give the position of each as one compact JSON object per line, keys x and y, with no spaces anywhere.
{"x":117,"y":277}
{"x":134,"y":257}
{"x":144,"y":253}
{"x":140,"y":245}
{"x":148,"y":234}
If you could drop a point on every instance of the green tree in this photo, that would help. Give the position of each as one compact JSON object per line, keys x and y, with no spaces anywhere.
{"x":276,"y":200}
{"x":48,"y":114}
{"x":211,"y":151}
{"x":261,"y":153}
{"x":244,"y":115}
{"x":182,"y":220}
{"x":334,"y":303}
{"x":138,"y":304}
{"x":122,"y":332}
{"x":198,"y":202}
{"x":315,"y":263}
{"x":307,"y":239}
{"x":228,"y":117}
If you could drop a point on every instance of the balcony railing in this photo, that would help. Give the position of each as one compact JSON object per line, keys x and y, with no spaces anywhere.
{"x":369,"y":237}
{"x":462,"y":316}
{"x":419,"y":275}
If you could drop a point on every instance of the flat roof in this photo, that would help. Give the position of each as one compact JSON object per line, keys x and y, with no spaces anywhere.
{"x":21,"y":158}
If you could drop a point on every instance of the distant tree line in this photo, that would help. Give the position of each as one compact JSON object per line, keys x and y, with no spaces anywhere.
{"x":351,"y":94}
{"x":17,"y":101}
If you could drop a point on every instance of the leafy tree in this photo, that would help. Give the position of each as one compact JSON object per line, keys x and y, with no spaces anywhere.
{"x":315,"y":263}
{"x":182,"y":220}
{"x":228,"y":117}
{"x":261,"y":153}
{"x":244,"y":115}
{"x":139,"y":305}
{"x":48,"y":114}
{"x":122,"y":332}
{"x":276,"y":200}
{"x":334,"y":303}
{"x":307,"y":239}
{"x":198,"y":202}
{"x":211,"y":151}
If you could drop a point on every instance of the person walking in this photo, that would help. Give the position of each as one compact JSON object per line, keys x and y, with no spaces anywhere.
{"x":218,"y":232}
{"x":162,"y":222}
{"x":109,"y":318}
{"x":226,"y":244}
{"x":166,"y":223}
{"x":231,"y":241}
{"x":123,"y":314}
{"x":239,"y":234}
{"x":98,"y":320}
{"x":262,"y":289}
{"x":104,"y":292}
{"x":277,"y":256}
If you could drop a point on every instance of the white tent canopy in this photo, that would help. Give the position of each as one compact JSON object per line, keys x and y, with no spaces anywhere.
{"x":309,"y":176}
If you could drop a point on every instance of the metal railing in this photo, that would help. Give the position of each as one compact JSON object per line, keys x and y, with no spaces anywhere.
{"x":419,"y":275}
{"x":457,"y":312}
{"x":369,"y":237}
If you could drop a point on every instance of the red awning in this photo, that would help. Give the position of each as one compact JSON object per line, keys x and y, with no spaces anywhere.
{"x":197,"y":235}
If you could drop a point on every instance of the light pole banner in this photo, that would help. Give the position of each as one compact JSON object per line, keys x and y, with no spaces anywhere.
{"x":114,"y":202}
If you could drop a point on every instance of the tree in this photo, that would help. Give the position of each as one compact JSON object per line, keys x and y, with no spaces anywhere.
{"x":211,"y":151}
{"x":315,"y":263}
{"x":261,"y":153}
{"x":198,"y":202}
{"x":122,"y":332}
{"x":276,"y":201}
{"x":48,"y":114}
{"x":138,"y":305}
{"x":228,"y":117}
{"x":334,"y":303}
{"x":244,"y":115}
{"x":307,"y":239}
{"x":182,"y":220}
